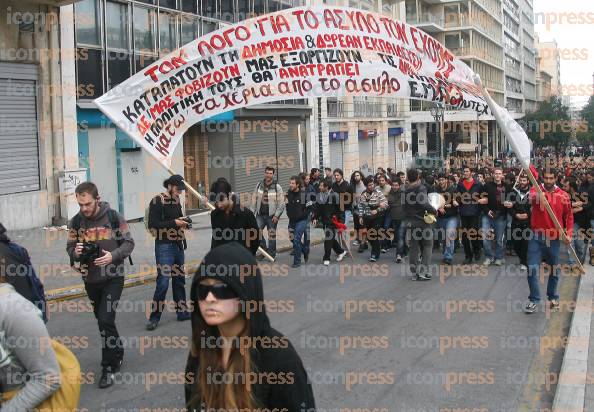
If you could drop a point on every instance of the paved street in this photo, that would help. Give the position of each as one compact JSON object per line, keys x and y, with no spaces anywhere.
{"x":368,"y":336}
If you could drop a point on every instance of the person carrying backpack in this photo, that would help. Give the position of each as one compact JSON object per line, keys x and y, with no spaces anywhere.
{"x":99,"y":240}
{"x":15,"y":265}
{"x":166,"y":223}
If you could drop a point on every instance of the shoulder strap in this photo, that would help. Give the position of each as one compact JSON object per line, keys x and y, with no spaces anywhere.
{"x":114,"y":222}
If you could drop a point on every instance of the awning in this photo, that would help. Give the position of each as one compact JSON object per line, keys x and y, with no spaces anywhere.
{"x":395,"y":131}
{"x":338,"y":135}
{"x":466,"y":147}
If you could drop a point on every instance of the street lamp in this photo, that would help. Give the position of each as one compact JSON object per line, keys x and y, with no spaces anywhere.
{"x":437,"y":111}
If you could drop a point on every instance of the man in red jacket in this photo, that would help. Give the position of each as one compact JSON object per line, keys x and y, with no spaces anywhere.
{"x":545,"y":239}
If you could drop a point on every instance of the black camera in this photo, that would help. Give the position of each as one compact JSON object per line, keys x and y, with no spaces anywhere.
{"x":187,"y":220}
{"x":89,"y":253}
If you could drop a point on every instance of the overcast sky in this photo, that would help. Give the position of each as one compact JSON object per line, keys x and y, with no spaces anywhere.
{"x":570,"y":36}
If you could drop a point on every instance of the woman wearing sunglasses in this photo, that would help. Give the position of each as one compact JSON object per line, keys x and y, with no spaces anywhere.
{"x":237,"y":360}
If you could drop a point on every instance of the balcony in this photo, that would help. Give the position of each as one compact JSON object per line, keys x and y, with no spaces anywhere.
{"x":336,"y":109}
{"x":430,"y":23}
{"x":470,"y":52}
{"x":367,"y":108}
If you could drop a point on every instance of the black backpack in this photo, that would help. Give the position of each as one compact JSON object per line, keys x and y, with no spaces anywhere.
{"x":22,"y":276}
{"x":114,"y":222}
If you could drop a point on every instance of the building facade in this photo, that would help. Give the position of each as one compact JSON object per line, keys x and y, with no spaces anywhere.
{"x":550,"y":62}
{"x":38,"y":147}
{"x":119,"y":38}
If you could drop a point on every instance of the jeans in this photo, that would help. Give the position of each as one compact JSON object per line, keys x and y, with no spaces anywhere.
{"x":519,"y":235}
{"x":539,"y":247}
{"x":470,"y":226}
{"x":399,"y":227}
{"x":448,"y":226}
{"x":421,"y":240}
{"x":499,"y":225}
{"x":170,"y":261}
{"x":374,"y":233}
{"x":105,"y":297}
{"x":297,"y":231}
{"x":579,"y":244}
{"x":386,"y":243}
{"x":266,"y":221}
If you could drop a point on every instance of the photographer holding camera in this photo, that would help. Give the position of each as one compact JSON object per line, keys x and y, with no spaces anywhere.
{"x":100,"y":240}
{"x":167,"y":224}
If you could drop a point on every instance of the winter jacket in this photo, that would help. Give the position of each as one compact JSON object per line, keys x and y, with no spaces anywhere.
{"x":238,"y":226}
{"x":276,"y":199}
{"x":521,"y":205}
{"x":396,"y":203}
{"x":345,"y":193}
{"x":449,"y":194}
{"x":540,"y":222}
{"x":290,"y":390}
{"x":98,"y":229}
{"x":416,"y":203}
{"x":33,"y":372}
{"x":372,"y":201}
{"x":296,"y":206}
{"x":163,"y":210}
{"x":468,"y":199}
{"x":327,"y":205}
{"x":496,"y":195}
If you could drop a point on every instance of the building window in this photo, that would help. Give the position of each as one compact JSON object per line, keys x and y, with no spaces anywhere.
{"x":167,"y":33}
{"x":209,"y":8}
{"x":189,"y":29}
{"x":189,"y":6}
{"x":259,"y":7}
{"x":143,"y":61}
{"x":89,"y":72}
{"x":170,"y":4}
{"x":144,"y":30}
{"x":208,"y":26}
{"x":87,"y":22}
{"x":118,"y":68}
{"x":116,"y":30}
{"x":226,"y":11}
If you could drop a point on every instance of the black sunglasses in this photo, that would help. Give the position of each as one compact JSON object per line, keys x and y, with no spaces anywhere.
{"x":219,"y":291}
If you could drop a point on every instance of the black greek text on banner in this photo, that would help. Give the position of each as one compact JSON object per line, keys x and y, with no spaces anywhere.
{"x":292,"y":54}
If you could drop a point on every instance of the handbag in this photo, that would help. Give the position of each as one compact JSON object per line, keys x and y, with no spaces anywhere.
{"x":429,"y":218}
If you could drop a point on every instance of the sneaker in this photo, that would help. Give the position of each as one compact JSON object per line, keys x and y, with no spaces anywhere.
{"x":355,"y":242}
{"x":398,"y":259}
{"x":477,"y":257}
{"x":326,"y":263}
{"x":447,"y":262}
{"x":296,"y":265}
{"x":498,"y":262}
{"x":341,"y":256}
{"x":468,"y":261}
{"x":523,"y":268}
{"x":383,"y":250}
{"x":487,"y":262}
{"x":361,"y":248}
{"x":152,"y":325}
{"x":107,"y":378}
{"x":118,"y":367}
{"x":530,"y":307}
{"x":554,"y":305}
{"x":423,"y":278}
{"x":184,"y":317}
{"x":373,"y":259}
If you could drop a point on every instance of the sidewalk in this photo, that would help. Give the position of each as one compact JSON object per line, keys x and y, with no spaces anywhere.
{"x":48,"y":253}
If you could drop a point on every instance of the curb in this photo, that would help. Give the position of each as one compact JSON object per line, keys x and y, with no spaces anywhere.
{"x":571,"y":388}
{"x":136,"y":279}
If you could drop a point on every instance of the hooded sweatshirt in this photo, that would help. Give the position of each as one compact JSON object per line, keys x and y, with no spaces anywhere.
{"x":416,"y":203}
{"x":292,"y":393}
{"x":98,"y":229}
{"x":540,"y":221}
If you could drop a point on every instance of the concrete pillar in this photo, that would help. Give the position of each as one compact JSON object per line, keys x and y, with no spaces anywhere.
{"x":68,"y":74}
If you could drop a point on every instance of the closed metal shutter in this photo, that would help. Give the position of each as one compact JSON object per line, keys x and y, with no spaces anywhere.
{"x":366,"y":156}
{"x":252,"y":154}
{"x":287,"y":144}
{"x":259,"y":149}
{"x":19,"y":146}
{"x":336,"y":154}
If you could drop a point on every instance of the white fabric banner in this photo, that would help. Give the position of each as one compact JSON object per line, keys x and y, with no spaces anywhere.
{"x":292,"y":54}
